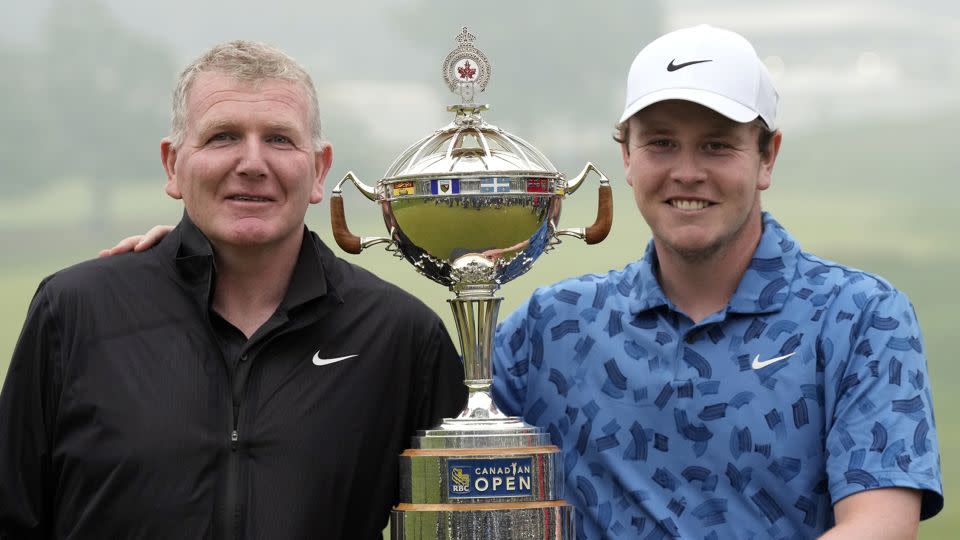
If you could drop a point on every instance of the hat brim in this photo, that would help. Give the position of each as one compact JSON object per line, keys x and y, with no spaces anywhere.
{"x":727,"y":107}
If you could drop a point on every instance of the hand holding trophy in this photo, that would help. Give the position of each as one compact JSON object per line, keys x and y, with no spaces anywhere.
{"x":472,"y":207}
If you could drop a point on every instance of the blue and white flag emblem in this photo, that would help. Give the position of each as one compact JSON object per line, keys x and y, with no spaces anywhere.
{"x":495,"y":184}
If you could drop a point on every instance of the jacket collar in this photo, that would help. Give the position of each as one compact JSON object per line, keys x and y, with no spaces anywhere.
{"x":190,"y":253}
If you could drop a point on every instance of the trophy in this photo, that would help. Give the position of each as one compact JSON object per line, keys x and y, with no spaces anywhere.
{"x":472,"y":207}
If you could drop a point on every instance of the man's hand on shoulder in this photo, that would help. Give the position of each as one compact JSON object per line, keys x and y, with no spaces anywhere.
{"x":139,"y":242}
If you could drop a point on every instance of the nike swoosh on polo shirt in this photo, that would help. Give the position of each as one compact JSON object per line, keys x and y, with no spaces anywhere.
{"x":757,"y":364}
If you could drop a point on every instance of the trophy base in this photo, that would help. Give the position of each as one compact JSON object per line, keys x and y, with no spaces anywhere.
{"x":472,"y":479}
{"x":514,"y":521}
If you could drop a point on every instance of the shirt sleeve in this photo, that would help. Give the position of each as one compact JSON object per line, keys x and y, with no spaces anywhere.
{"x":511,"y":357}
{"x":882,"y":432}
{"x":444,"y":394}
{"x":27,"y":412}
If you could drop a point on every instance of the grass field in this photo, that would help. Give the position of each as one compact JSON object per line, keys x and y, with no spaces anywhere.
{"x":893,"y":229}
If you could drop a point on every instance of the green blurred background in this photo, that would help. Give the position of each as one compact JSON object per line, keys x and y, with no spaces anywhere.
{"x":867,"y":174}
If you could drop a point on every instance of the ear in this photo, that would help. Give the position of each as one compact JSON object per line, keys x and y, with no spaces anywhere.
{"x":625,"y":154}
{"x":323,"y":159}
{"x":624,"y":133}
{"x":767,"y":161}
{"x":168,"y":155}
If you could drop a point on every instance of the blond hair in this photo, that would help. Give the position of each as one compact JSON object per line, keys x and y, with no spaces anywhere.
{"x":247,"y":61}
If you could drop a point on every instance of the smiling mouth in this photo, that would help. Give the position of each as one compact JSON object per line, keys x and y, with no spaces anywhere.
{"x":247,"y":198}
{"x":688,"y":204}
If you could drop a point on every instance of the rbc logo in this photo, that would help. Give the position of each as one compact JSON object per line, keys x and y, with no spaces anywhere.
{"x":460,"y":481}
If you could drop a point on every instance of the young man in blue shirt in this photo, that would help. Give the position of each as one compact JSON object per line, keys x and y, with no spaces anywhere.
{"x":728,"y":384}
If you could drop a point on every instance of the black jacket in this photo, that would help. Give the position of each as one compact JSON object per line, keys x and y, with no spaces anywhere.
{"x":117,"y":416}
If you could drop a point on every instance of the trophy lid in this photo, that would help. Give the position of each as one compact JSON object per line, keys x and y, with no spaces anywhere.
{"x":469,"y":144}
{"x":481,"y":149}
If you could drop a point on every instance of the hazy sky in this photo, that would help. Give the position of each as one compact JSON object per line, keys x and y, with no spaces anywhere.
{"x":832,"y":61}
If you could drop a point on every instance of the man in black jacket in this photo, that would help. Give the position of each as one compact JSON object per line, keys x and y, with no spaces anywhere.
{"x":238,"y":380}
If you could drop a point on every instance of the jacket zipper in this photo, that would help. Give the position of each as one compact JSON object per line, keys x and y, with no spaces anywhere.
{"x":231,"y":500}
{"x":231,"y":515}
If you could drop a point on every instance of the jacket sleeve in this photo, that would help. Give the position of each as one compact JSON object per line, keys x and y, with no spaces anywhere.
{"x":444,"y":394}
{"x":27,"y":411}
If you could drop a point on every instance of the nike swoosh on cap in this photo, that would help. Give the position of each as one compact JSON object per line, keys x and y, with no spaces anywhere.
{"x":757,"y":364}
{"x":317,"y":361}
{"x":673,"y":67}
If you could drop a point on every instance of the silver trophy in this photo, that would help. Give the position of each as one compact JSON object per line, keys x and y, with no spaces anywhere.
{"x":472,"y":207}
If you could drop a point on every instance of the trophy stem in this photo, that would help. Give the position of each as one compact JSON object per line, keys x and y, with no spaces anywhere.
{"x":476,"y":320}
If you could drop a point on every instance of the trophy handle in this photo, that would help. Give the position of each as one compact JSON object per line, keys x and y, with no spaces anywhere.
{"x":348,"y":241}
{"x":596,"y":233}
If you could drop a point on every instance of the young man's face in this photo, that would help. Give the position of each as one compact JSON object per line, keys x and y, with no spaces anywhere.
{"x":247,"y":168}
{"x":697,"y":177}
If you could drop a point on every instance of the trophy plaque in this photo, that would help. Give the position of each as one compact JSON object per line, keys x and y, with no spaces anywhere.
{"x":472,"y":207}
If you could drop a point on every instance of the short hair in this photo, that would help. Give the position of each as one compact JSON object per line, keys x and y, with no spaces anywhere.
{"x":247,"y":61}
{"x":621,"y":134}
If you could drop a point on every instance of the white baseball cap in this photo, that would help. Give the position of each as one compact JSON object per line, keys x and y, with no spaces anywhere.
{"x":716,"y":68}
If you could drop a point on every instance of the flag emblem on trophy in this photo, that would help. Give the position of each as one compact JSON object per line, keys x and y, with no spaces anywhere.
{"x":495,"y":184}
{"x":538,"y":185}
{"x":404,"y":188}
{"x":445,"y":187}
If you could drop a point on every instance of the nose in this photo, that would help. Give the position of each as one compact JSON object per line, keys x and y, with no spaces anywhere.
{"x":687,"y":168}
{"x":252,"y":163}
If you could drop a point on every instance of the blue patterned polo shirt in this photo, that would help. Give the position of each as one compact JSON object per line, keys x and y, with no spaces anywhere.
{"x":811,"y":385}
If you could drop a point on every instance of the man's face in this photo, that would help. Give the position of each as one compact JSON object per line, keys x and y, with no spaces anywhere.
{"x":247,"y":168}
{"x":696,"y":177}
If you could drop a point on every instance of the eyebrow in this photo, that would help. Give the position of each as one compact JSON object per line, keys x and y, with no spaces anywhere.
{"x":229,"y":125}
{"x":281,"y":127}
{"x":655,"y":130}
{"x":721,"y":130}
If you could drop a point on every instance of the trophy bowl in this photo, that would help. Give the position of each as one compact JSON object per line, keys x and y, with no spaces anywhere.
{"x":471,"y":204}
{"x":472,"y":207}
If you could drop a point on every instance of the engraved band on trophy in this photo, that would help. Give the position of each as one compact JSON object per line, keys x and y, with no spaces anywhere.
{"x":472,"y":207}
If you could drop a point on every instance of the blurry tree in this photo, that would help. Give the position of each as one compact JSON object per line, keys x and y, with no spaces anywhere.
{"x":106,"y":99}
{"x":539,"y":72}
{"x":24,"y":136}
